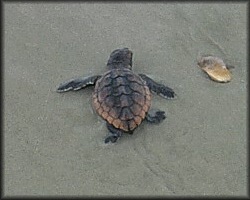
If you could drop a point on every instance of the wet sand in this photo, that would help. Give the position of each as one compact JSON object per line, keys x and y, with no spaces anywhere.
{"x":53,"y":143}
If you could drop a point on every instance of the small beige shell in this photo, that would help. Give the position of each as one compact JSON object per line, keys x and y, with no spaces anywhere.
{"x":215,"y":68}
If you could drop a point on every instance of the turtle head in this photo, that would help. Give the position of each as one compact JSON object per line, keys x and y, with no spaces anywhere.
{"x":120,"y":58}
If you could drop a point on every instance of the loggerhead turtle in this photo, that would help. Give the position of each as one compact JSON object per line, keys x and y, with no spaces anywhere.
{"x":121,"y":97}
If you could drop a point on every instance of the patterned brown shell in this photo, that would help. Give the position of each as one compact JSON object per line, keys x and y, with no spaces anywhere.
{"x":122,"y":98}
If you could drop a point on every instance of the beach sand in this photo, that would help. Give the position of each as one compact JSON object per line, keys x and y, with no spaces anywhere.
{"x":53,"y":143}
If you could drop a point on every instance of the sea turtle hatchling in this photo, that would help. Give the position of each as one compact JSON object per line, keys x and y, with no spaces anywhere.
{"x":121,"y":97}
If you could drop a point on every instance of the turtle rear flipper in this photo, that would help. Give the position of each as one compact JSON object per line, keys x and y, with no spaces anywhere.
{"x":156,"y":116}
{"x":158,"y":88}
{"x":77,"y":84}
{"x":114,"y":135}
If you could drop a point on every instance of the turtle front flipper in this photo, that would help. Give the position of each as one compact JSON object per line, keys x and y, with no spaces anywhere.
{"x":158,"y":88}
{"x":77,"y":84}
{"x":114,"y":135}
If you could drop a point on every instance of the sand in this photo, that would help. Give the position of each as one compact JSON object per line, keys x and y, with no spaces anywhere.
{"x":53,"y":143}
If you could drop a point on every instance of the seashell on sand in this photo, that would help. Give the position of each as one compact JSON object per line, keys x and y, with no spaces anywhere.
{"x":215,"y":68}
